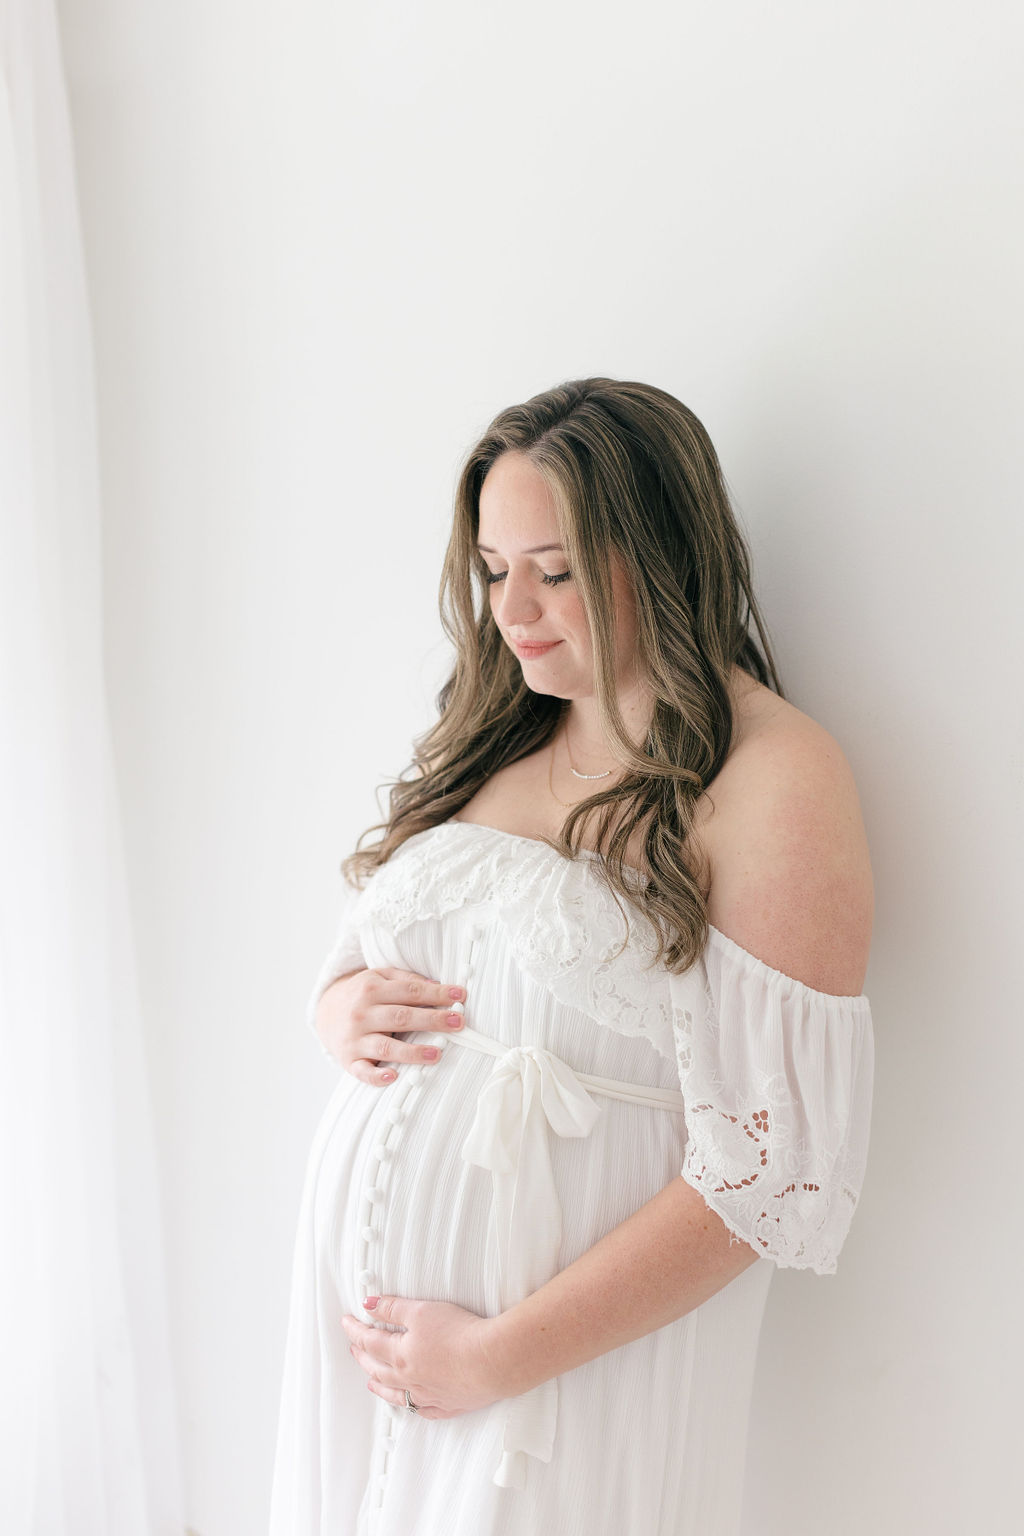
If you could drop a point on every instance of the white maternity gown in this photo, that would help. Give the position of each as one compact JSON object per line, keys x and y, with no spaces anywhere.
{"x":584,"y":1081}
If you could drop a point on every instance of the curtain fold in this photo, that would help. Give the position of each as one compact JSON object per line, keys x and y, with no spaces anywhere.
{"x":87,"y":1425}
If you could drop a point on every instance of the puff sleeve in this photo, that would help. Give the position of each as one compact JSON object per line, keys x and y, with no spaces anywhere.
{"x":777,"y":1080}
{"x":346,"y":953}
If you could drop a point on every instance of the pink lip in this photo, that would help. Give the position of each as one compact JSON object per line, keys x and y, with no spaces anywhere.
{"x":527,"y":651}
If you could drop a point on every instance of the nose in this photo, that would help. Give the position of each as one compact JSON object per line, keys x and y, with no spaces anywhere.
{"x":516,"y":602}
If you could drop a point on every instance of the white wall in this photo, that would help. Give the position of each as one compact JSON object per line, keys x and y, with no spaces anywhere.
{"x":326,"y":243}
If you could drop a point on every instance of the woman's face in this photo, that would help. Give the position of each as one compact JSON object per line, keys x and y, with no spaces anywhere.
{"x":532,"y":598}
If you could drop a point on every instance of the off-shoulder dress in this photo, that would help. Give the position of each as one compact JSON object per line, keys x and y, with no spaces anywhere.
{"x":585,"y":1080}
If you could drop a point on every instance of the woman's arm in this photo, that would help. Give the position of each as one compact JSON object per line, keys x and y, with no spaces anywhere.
{"x":791,"y":882}
{"x":667,"y":1258}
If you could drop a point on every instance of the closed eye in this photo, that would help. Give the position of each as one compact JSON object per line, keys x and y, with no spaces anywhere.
{"x":551,"y":581}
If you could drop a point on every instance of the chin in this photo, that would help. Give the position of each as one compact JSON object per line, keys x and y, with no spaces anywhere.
{"x":555,"y":693}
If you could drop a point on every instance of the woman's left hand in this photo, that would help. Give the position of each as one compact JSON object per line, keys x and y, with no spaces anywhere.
{"x":442,"y":1357}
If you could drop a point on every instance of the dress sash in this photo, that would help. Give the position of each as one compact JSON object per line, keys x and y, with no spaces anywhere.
{"x":529,"y":1093}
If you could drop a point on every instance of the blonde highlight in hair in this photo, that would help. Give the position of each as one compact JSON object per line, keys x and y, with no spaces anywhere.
{"x":631,"y":470}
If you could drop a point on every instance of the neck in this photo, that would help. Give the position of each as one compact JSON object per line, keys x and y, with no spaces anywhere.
{"x":591,"y":751}
{"x":581,"y":729}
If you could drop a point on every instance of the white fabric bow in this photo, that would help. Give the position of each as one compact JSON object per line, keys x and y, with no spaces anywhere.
{"x":528,"y":1090}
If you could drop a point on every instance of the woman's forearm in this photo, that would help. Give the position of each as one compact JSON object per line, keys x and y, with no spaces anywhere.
{"x":664,"y":1260}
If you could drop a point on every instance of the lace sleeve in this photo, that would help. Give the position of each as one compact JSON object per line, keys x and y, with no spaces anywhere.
{"x":778,"y":1082}
{"x":346,"y":955}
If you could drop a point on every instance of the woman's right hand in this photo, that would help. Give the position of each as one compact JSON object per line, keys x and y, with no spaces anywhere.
{"x":358,"y":1015}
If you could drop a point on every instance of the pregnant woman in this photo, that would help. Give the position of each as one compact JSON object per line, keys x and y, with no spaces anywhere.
{"x":596,"y":997}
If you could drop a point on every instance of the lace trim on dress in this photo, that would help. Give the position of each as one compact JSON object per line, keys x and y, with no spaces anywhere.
{"x":777,"y":1079}
{"x":565,"y":928}
{"x":776,"y":1076}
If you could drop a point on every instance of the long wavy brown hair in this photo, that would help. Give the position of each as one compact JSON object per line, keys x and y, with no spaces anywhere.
{"x":630,"y":469}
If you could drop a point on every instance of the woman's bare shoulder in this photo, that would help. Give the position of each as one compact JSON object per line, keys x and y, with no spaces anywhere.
{"x":787,"y":848}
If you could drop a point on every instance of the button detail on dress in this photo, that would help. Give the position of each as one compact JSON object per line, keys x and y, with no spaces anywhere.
{"x":369,"y":1233}
{"x":367,"y":1277}
{"x":396,"y":1114}
{"x":381,"y":1152}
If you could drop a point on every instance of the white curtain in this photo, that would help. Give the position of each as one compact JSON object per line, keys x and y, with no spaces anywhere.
{"x":87,"y":1423}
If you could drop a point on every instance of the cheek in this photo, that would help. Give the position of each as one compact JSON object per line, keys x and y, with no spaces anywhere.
{"x":571,"y":615}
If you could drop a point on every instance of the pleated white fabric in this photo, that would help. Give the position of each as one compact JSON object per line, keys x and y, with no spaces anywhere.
{"x":88,"y":1432}
{"x":585,"y":1081}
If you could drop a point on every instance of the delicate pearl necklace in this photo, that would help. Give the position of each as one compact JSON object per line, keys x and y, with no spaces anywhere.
{"x":551,"y":766}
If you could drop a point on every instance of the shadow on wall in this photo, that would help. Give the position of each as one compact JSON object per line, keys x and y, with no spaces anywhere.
{"x":873,"y":427}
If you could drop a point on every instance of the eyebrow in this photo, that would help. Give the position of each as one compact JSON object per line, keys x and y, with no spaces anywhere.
{"x":538,"y":549}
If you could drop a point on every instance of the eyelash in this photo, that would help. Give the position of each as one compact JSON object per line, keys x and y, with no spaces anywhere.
{"x":552,"y":581}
